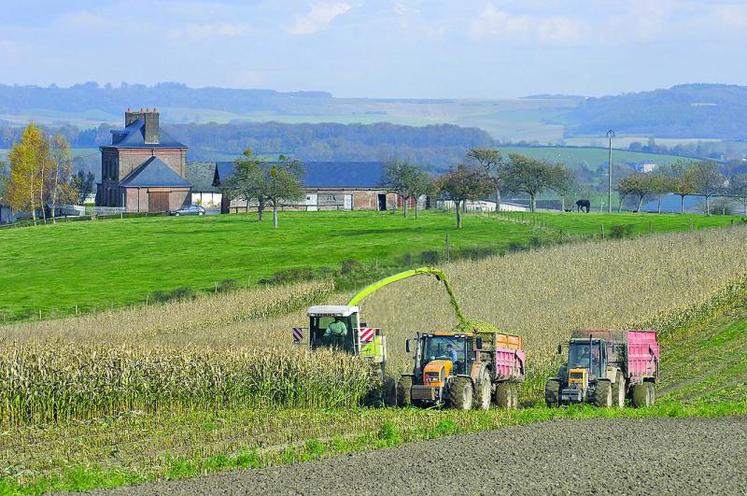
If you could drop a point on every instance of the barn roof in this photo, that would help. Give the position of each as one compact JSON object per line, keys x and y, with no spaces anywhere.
{"x":201,"y":174}
{"x":321,"y":175}
{"x":153,"y":173}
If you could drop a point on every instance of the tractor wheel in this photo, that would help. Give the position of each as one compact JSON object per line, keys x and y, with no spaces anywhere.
{"x":483,"y":391}
{"x":641,"y":395}
{"x":461,"y":395}
{"x":603,"y":394}
{"x":552,"y":393}
{"x":618,"y":391}
{"x":503,"y":395}
{"x":652,"y":393}
{"x":404,"y":387}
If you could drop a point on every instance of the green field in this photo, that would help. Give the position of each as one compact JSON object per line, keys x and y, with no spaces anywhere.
{"x":109,"y":263}
{"x":590,"y":157}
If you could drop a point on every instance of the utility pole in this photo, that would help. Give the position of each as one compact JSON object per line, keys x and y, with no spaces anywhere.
{"x":610,"y":135}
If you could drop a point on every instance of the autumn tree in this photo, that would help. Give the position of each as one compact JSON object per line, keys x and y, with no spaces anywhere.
{"x":407,"y":180}
{"x":464,"y":183}
{"x":62,"y":186}
{"x":29,"y":167}
{"x":492,"y":162}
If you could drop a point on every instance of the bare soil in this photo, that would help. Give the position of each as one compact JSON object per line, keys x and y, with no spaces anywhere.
{"x":677,"y":456}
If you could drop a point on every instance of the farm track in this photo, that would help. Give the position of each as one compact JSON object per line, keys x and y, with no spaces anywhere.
{"x":601,"y":456}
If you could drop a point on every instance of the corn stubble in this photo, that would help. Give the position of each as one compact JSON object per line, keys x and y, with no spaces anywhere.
{"x":234,"y":350}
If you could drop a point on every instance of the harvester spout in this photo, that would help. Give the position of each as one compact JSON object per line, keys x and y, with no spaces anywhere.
{"x":439,"y":274}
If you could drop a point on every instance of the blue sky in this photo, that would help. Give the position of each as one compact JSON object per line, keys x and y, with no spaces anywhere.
{"x":378,"y":48}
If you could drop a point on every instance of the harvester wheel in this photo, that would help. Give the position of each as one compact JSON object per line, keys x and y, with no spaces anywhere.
{"x":641,"y":395}
{"x":483,"y":391}
{"x":460,"y":394}
{"x":618,"y":391}
{"x":652,"y":393}
{"x":603,"y":394}
{"x":404,"y":388}
{"x":552,"y":393}
{"x":503,"y":395}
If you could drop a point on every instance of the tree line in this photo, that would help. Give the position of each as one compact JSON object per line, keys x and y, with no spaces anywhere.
{"x":683,"y":178}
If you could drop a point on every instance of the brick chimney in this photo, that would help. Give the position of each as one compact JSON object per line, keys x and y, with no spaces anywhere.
{"x":152,"y":126}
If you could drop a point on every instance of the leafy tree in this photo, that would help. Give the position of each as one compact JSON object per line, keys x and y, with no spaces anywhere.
{"x":661,"y":183}
{"x":247,"y":182}
{"x":638,"y":184}
{"x":492,"y":162}
{"x":29,"y":163}
{"x":407,"y":180}
{"x":562,"y":181}
{"x":282,"y":183}
{"x":464,"y":183}
{"x":738,"y":188}
{"x":528,"y":175}
{"x":682,"y":182}
{"x":708,"y":181}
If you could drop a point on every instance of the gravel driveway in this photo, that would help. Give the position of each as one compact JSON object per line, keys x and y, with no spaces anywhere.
{"x":603,"y":456}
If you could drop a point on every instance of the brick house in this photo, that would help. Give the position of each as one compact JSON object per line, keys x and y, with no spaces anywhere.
{"x":144,"y":169}
{"x":328,"y":186}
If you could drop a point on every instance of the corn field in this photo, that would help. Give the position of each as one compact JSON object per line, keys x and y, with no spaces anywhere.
{"x":54,"y":383}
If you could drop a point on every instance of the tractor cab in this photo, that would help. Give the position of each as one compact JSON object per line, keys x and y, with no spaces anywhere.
{"x":587,"y":361}
{"x":454,"y":348}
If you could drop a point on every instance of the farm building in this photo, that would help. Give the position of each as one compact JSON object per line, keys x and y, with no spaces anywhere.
{"x":144,"y":169}
{"x":200,"y":175}
{"x":328,"y":186}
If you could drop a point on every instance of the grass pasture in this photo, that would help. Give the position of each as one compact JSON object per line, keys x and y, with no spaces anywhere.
{"x":690,"y":285}
{"x":590,"y":157}
{"x":113,"y":263}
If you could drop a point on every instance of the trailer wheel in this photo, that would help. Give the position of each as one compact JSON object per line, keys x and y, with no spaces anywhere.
{"x":652,"y":393}
{"x":618,"y":391}
{"x":552,"y":393}
{"x":514,"y":396}
{"x":603,"y":394}
{"x":461,"y":394}
{"x":482,"y":400}
{"x":641,"y":395}
{"x":404,"y":387}
{"x":503,"y":395}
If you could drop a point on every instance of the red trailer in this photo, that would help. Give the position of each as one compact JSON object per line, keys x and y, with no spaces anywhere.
{"x":605,"y":367}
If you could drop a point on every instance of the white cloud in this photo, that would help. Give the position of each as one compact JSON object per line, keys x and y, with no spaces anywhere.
{"x":730,"y":16}
{"x":319,"y":17}
{"x":494,"y":23}
{"x":84,"y":20}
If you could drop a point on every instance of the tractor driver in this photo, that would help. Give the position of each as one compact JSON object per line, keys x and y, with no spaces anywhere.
{"x":451,"y":353}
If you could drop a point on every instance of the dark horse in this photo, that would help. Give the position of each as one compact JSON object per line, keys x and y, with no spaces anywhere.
{"x":582,"y":205}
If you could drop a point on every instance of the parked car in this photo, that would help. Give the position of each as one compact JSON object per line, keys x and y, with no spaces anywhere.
{"x":190,"y":210}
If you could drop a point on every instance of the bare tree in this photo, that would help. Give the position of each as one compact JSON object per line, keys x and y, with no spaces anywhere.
{"x":492,"y":161}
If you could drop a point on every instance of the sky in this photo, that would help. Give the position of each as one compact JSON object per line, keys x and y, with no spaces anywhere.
{"x":378,"y":48}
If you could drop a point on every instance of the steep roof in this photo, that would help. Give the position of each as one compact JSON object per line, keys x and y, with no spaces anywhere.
{"x":201,"y":174}
{"x":321,"y":175}
{"x":153,"y":173}
{"x":133,"y":136}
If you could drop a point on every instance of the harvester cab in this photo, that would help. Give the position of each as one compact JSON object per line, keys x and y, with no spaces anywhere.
{"x":339,"y":327}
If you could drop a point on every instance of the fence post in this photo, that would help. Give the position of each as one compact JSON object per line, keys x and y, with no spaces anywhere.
{"x":601,"y":230}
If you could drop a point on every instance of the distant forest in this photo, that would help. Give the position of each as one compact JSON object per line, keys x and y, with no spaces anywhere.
{"x":435,"y":147}
{"x":684,"y":111}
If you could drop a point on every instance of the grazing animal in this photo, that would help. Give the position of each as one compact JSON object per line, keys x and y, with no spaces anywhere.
{"x":582,"y":205}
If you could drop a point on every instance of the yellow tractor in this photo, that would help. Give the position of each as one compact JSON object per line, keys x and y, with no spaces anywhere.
{"x":464,"y":370}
